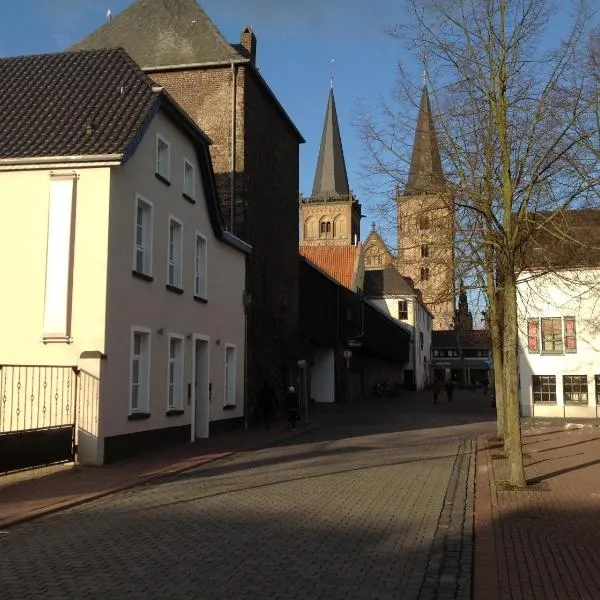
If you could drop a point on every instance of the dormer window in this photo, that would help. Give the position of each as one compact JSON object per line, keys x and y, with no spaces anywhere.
{"x":163,"y":159}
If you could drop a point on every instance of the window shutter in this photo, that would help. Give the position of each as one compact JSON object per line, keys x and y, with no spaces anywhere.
{"x":570,"y":335}
{"x":532,"y":335}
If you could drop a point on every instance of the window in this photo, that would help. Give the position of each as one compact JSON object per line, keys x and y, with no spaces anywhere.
{"x":163,"y":159}
{"x":424,"y":251}
{"x":325,"y":229}
{"x":424,"y":223}
{"x":421,"y":339}
{"x":424,"y":273}
{"x":175,"y":374}
{"x":597,"y":385}
{"x":552,"y":335}
{"x":570,"y":335}
{"x":230,"y":372}
{"x":143,"y":237}
{"x":200,"y":270}
{"x":532,"y":335}
{"x":544,"y":389}
{"x":140,"y":371}
{"x":436,"y":353}
{"x":403,"y":309}
{"x":575,"y":389}
{"x":175,"y":253}
{"x":189,"y":180}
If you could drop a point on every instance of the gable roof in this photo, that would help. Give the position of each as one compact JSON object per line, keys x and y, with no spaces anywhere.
{"x":562,"y":240}
{"x":73,"y":104}
{"x":386,"y":282}
{"x":164,"y":33}
{"x":375,"y":239}
{"x":94,"y":106}
{"x":331,"y":178}
{"x":425,"y":175}
{"x":340,"y":262}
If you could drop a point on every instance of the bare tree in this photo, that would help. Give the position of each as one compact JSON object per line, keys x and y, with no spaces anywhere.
{"x":518,"y":123}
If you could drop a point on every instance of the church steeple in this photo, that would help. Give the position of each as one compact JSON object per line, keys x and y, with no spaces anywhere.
{"x":425,"y":175}
{"x":331,"y":178}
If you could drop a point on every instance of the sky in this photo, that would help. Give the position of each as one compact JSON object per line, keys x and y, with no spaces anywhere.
{"x":296,"y":43}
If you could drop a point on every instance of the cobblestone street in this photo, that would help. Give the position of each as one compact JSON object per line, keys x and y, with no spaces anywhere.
{"x":375,"y":505}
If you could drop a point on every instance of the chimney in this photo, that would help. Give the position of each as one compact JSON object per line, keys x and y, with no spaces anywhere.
{"x":248,"y":42}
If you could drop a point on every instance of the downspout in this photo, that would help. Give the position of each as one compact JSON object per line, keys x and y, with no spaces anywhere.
{"x":233,"y":148}
{"x":415,"y":337}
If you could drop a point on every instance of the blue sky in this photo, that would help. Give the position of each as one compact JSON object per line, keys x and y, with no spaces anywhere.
{"x":296,"y":42}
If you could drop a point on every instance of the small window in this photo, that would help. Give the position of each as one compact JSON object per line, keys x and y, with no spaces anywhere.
{"x":163,"y":158}
{"x":424,"y":273}
{"x":544,"y":389}
{"x":533,"y":335}
{"x":597,"y":386}
{"x":575,"y":389}
{"x":421,"y":339}
{"x":230,"y":373}
{"x":175,"y":253}
{"x":570,"y":335}
{"x":552,"y":335}
{"x":144,"y":217}
{"x":403,"y":309}
{"x":189,"y":180}
{"x":325,"y":229}
{"x":424,"y":223}
{"x":424,"y":251}
{"x":436,"y":353}
{"x":140,"y":371}
{"x":200,"y":270}
{"x":175,"y":383}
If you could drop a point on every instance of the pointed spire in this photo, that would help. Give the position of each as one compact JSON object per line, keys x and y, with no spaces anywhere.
{"x":331,"y":177}
{"x":425,"y":175}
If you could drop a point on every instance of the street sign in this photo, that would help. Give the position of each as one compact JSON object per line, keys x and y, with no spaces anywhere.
{"x":347,"y":354}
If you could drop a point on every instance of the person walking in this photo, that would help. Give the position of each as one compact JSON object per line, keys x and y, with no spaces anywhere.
{"x":450,"y":389}
{"x":292,"y":406}
{"x":267,"y":403}
{"x":436,"y":388}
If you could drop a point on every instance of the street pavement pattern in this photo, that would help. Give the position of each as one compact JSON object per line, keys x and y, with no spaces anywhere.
{"x":376,"y":505}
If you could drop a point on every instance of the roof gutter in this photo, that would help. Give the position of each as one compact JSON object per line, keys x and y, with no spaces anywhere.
{"x":44,"y":160}
{"x":184,"y":66}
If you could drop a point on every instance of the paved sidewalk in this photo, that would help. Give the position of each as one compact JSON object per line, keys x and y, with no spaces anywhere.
{"x":543,"y":542}
{"x":25,"y":499}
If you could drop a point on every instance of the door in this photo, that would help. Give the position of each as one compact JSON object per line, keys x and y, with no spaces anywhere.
{"x":201,"y":388}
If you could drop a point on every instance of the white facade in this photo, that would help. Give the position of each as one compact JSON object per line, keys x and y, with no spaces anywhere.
{"x":416,"y":319}
{"x":559,"y":344}
{"x":122,"y":277}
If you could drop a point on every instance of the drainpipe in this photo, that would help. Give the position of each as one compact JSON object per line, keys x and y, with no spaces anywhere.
{"x":415,"y":340}
{"x":233,"y":148}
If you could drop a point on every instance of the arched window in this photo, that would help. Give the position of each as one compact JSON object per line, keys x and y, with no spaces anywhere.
{"x":424,"y":273}
{"x":310,"y":228}
{"x":339,"y":227}
{"x":325,"y":228}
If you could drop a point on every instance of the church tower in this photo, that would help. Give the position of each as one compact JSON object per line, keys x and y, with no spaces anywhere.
{"x":330,"y":216}
{"x":426,"y":223}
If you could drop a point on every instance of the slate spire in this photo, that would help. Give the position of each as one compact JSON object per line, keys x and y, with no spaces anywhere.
{"x":425,"y":175}
{"x":331,"y":178}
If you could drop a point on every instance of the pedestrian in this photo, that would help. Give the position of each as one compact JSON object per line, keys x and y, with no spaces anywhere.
{"x":436,"y":388}
{"x":450,"y":389}
{"x":267,"y":403}
{"x":292,"y":406}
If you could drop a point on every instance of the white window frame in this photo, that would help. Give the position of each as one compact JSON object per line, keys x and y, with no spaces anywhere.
{"x":176,"y":403}
{"x":143,"y":406}
{"x":189,"y":193}
{"x":148,"y":235}
{"x":177,"y":261}
{"x":229,"y":394}
{"x":160,"y":139}
{"x":199,"y":293}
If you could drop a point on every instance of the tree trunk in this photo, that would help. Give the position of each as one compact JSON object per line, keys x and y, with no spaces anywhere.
{"x":511,"y":385}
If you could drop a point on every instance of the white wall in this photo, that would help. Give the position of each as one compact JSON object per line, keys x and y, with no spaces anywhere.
{"x":322,"y":375}
{"x":553,"y":295}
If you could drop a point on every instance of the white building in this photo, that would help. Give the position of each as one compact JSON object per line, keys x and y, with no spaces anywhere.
{"x":122,"y":315}
{"x":388,"y":291}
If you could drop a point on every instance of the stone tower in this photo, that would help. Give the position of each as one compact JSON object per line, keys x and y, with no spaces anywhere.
{"x":426,"y":223}
{"x":331,"y":214}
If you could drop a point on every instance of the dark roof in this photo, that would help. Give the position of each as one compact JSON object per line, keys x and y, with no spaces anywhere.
{"x":163,"y":33}
{"x":72,"y":104}
{"x":91,"y":104}
{"x":386,"y":282}
{"x":449,"y":338}
{"x":561,"y":240}
{"x":425,"y":175}
{"x":331,"y":178}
